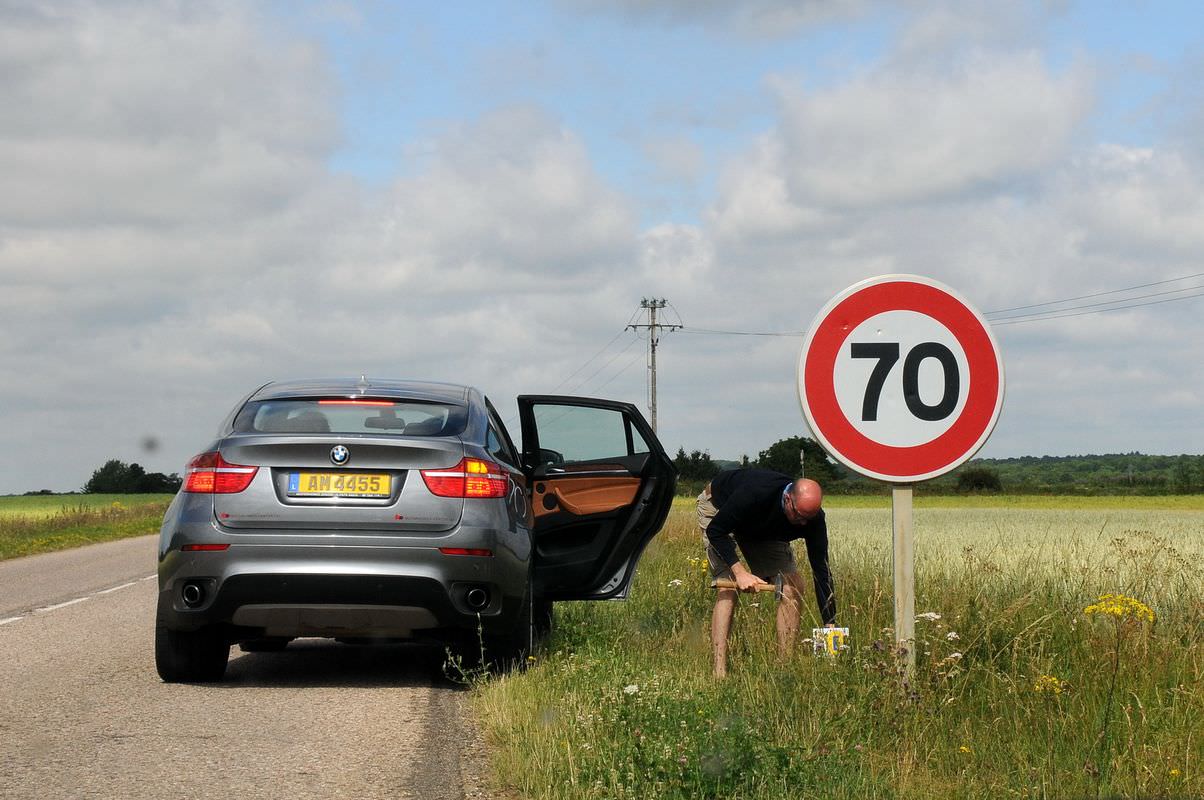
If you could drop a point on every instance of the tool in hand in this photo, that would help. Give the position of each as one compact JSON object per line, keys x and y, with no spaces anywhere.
{"x":775,"y":587}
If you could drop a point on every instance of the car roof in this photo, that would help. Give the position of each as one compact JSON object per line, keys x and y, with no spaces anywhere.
{"x":365,"y":387}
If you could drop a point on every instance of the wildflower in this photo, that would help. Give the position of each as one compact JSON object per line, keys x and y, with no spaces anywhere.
{"x":1049,"y":684}
{"x":929,"y":616}
{"x":952,"y":636}
{"x":964,"y":749}
{"x":1175,"y":773}
{"x":755,"y":605}
{"x":530,"y":659}
{"x":631,"y":688}
{"x":1121,"y":607}
{"x":675,"y":583}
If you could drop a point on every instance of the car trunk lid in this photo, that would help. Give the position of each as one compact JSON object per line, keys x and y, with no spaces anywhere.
{"x":325,"y":482}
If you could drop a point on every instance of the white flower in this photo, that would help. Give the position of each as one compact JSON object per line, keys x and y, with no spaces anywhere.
{"x":930,"y":616}
{"x":675,"y":582}
{"x":952,"y":636}
{"x":953,"y":657}
{"x":631,"y":688}
{"x":755,"y":605}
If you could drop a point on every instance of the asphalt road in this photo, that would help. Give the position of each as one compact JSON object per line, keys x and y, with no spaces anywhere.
{"x":84,"y":715}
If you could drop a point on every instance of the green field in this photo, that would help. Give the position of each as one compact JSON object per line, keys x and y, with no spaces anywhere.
{"x":42,"y":523}
{"x":1018,"y":692}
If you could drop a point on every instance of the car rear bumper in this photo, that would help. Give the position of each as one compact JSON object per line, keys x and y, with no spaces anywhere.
{"x":279,"y":590}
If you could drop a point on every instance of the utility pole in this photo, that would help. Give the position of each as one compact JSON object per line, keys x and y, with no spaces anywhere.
{"x":654,"y":327}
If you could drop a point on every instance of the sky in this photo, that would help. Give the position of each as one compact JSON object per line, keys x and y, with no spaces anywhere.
{"x":199,"y":197}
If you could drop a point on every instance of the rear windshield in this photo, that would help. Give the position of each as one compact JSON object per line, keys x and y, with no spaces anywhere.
{"x":387,"y":417}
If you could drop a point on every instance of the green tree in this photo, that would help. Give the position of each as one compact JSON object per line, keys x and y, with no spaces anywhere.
{"x":783,"y":456}
{"x":697,"y":466}
{"x":117,"y":477}
{"x":979,"y":479}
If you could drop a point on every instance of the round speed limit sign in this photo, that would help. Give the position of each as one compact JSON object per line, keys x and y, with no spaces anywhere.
{"x":900,"y":378}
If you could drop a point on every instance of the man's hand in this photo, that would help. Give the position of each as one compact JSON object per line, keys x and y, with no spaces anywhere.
{"x":745,"y":580}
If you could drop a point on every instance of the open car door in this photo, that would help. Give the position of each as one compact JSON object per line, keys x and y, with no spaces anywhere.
{"x":601,"y":487}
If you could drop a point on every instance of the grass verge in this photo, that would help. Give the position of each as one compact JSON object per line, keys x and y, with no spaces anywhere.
{"x":31,"y":525}
{"x":1018,"y":690}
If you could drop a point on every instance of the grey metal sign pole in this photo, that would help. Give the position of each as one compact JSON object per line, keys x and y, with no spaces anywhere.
{"x":904,"y":569}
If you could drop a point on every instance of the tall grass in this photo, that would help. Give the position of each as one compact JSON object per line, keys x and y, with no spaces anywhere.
{"x":35,"y":525}
{"x":1017,"y":692}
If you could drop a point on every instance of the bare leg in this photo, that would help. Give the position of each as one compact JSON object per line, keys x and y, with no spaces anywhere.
{"x":789,"y":612}
{"x":721,"y":623}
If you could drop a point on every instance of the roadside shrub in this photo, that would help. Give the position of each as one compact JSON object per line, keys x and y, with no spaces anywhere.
{"x":979,"y":479}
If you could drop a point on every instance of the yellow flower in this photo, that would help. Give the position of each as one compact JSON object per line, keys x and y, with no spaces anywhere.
{"x":1048,"y":683}
{"x":1121,"y":607}
{"x":1175,"y":773}
{"x":964,"y":749}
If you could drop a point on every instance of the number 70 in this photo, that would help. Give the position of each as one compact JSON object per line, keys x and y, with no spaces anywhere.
{"x":887,"y":354}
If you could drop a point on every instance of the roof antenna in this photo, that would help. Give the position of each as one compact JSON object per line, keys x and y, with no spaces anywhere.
{"x":363,"y":385}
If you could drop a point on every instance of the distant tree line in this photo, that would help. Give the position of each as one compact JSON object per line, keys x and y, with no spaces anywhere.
{"x":1127,"y":473}
{"x":697,"y":468}
{"x":118,"y":477}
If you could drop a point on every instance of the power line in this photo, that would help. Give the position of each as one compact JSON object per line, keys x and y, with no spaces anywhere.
{"x":612,"y":360}
{"x":1096,"y":294}
{"x":626,"y":367}
{"x":709,"y":331}
{"x":1054,"y":315}
{"x":1058,"y":311}
{"x":587,"y":362}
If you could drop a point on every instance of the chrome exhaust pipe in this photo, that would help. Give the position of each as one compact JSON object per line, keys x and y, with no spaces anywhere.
{"x":193,"y":594}
{"x":477,"y":598}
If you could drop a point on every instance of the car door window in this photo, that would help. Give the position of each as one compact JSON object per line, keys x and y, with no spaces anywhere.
{"x":570,"y":434}
{"x":497,"y":441}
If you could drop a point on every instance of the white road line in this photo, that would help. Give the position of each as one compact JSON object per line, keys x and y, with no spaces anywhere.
{"x":57,"y":606}
{"x":73,"y":601}
{"x":116,"y":588}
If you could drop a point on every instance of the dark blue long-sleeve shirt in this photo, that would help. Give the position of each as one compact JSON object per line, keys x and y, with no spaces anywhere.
{"x":749,"y":501}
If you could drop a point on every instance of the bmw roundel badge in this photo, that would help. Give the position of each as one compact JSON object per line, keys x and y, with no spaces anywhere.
{"x":340,"y":455}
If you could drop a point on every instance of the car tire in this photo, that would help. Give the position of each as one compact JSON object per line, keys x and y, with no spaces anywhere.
{"x":510,"y":651}
{"x":190,"y":656}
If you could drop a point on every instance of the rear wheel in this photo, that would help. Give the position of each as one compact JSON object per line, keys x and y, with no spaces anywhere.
{"x":190,"y":656}
{"x":507,"y":651}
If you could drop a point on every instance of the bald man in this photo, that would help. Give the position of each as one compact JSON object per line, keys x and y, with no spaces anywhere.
{"x":762,"y":512}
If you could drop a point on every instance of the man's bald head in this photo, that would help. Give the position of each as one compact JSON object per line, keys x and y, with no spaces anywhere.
{"x":806,"y":498}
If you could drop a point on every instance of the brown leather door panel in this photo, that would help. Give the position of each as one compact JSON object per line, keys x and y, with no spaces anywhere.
{"x":583,"y":496}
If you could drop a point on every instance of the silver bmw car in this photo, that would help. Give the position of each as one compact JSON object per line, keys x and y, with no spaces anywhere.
{"x":383,"y":510}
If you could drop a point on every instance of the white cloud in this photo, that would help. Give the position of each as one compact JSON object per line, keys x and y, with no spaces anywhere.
{"x":891,"y":137}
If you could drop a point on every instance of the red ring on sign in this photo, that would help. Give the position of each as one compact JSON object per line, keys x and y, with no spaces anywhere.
{"x":920,"y":460}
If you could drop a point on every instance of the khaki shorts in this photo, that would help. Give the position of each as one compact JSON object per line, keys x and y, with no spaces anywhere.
{"x":765,"y":558}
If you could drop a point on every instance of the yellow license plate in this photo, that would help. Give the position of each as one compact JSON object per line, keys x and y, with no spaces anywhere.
{"x":339,"y":484}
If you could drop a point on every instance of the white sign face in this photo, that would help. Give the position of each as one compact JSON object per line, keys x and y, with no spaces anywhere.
{"x":878,"y":408}
{"x":900,"y":378}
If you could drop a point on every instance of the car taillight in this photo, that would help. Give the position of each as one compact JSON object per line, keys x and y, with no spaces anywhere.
{"x":472,"y":477}
{"x":209,"y":473}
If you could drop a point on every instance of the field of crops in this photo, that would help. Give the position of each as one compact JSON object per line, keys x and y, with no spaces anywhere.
{"x":42,"y":523}
{"x":1026,"y":684}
